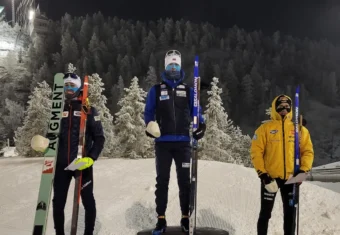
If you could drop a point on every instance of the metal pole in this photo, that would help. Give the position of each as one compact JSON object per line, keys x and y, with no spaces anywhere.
{"x":324,"y":178}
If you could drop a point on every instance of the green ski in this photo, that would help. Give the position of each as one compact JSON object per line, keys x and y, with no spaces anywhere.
{"x":50,"y":157}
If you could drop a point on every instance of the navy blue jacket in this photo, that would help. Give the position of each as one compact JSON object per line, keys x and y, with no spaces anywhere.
{"x":69,"y":134}
{"x":150,"y":108}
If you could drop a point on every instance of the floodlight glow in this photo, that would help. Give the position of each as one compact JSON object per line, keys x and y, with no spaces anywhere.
{"x":30,"y":14}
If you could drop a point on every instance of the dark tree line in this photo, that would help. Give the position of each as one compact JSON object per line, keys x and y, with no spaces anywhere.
{"x":252,"y":67}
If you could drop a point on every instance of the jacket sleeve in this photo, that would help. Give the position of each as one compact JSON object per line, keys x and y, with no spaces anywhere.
{"x":306,"y":150}
{"x":200,"y":116}
{"x":150,"y":106}
{"x":258,"y":145}
{"x":97,"y":133}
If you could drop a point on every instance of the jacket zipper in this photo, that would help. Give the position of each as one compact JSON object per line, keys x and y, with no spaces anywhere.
{"x":284,"y":150}
{"x":173,"y":105}
{"x":69,"y":133}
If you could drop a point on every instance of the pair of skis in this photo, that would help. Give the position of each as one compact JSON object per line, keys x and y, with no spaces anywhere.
{"x":294,"y":202}
{"x":194,"y":158}
{"x":50,"y":157}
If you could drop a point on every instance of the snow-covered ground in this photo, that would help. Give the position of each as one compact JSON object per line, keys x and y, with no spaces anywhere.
{"x":228,"y":198}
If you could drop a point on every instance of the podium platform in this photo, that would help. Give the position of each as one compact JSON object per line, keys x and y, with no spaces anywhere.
{"x":176,"y":230}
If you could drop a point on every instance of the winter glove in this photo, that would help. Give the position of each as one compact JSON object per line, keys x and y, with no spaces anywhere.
{"x":199,"y":133}
{"x":152,"y":130}
{"x":298,"y":172}
{"x":269,"y":183}
{"x":84,"y":163}
{"x":40,"y":143}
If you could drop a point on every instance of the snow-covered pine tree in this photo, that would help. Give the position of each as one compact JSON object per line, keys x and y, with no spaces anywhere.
{"x":35,"y":121}
{"x":240,"y":144}
{"x":215,"y":139}
{"x":98,"y":100}
{"x":129,"y":124}
{"x":13,"y":116}
{"x":221,"y":133}
{"x":71,"y":68}
{"x":268,"y":112}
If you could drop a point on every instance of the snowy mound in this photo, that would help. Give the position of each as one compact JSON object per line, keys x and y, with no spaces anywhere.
{"x":9,"y":152}
{"x":228,"y":198}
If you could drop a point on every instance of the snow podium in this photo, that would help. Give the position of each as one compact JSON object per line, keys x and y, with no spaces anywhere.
{"x":193,"y":230}
{"x":50,"y":157}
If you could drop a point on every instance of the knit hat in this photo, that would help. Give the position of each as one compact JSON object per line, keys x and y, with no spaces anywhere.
{"x":172,"y":56}
{"x":73,"y":78}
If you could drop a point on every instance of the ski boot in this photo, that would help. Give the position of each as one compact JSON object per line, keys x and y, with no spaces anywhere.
{"x":160,"y":226}
{"x":185,"y":223}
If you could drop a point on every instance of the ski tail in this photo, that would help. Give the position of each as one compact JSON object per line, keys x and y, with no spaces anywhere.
{"x":295,"y":200}
{"x":50,"y":156}
{"x":81,"y":154}
{"x":193,"y":191}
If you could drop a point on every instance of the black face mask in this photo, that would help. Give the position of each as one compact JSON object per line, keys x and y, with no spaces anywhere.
{"x":283,"y":108}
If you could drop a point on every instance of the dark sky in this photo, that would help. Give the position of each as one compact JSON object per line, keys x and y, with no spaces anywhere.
{"x":300,"y":18}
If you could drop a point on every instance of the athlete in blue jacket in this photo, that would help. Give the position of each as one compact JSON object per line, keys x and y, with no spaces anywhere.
{"x":169,"y":109}
{"x":67,"y":152}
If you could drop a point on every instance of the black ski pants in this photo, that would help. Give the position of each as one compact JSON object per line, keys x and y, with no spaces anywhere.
{"x":267,"y":204}
{"x":180,"y":152}
{"x":61,"y":184}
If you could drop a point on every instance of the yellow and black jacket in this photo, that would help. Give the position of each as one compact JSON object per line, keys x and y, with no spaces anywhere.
{"x":272,"y":147}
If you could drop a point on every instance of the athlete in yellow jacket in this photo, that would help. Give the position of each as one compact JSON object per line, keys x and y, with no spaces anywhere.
{"x":272,"y":154}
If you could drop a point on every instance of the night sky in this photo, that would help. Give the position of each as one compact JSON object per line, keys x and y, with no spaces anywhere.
{"x":310,"y":18}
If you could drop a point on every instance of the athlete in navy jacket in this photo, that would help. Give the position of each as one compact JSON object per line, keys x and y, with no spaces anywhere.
{"x":67,"y":152}
{"x":170,"y":105}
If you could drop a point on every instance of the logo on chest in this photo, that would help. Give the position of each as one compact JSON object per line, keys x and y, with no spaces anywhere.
{"x":181,"y":93}
{"x":77,"y":113}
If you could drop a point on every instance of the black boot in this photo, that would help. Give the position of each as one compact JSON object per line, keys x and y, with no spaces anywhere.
{"x":160,"y":226}
{"x":185,"y":223}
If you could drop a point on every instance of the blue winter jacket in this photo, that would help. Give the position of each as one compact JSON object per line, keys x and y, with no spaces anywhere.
{"x":150,"y":108}
{"x":69,"y":134}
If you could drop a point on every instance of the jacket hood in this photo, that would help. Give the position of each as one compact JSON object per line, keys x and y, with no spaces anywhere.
{"x":275,"y":115}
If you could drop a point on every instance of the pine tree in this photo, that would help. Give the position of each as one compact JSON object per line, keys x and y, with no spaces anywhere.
{"x":98,"y":100}
{"x":240,"y":144}
{"x":215,"y":138}
{"x":268,"y":112}
{"x":69,"y":48}
{"x":121,"y":87}
{"x":43,"y":74}
{"x":13,"y":116}
{"x":151,"y":78}
{"x":163,"y":41}
{"x":223,"y":141}
{"x":35,"y":121}
{"x":71,"y":68}
{"x":247,"y":92}
{"x":129,"y":124}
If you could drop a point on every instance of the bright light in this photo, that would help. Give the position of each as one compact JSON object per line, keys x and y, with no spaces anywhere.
{"x":30,"y":14}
